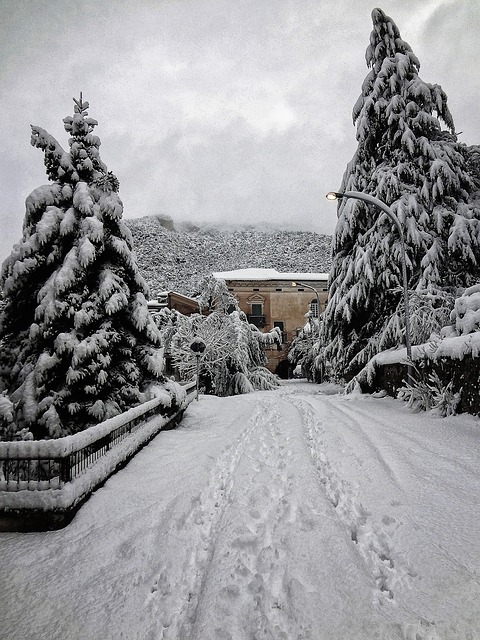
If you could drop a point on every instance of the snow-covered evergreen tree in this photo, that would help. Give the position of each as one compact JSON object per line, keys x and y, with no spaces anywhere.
{"x":78,"y":344}
{"x":405,"y":159}
{"x":303,"y":351}
{"x":215,"y":295}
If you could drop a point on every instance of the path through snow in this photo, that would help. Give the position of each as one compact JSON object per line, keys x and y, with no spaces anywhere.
{"x":293,"y":514}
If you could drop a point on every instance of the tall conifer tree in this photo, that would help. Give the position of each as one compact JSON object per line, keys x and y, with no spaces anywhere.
{"x":78,"y":342}
{"x":405,"y":159}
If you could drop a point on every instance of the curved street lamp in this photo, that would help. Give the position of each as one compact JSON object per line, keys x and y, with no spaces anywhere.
{"x":308,"y":286}
{"x":366,"y":197}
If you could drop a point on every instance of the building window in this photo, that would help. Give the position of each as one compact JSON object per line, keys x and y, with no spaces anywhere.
{"x":314,"y":310}
{"x":257,"y":316}
{"x":257,"y":313}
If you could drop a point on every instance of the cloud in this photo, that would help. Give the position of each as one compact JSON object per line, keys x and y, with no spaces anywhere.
{"x":450,"y":58}
{"x":210,"y":108}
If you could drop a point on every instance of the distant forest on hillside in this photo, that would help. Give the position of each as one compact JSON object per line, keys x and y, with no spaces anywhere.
{"x":177,"y":258}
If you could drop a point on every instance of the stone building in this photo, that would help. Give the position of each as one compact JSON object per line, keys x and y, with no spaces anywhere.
{"x":173,"y":300}
{"x":273,"y":299}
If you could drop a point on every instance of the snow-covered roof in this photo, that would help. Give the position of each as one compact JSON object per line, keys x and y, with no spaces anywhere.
{"x":165,"y":294}
{"x":267,"y":274}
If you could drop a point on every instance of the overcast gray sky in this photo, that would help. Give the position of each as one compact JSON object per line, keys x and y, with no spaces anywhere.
{"x":214,"y":110}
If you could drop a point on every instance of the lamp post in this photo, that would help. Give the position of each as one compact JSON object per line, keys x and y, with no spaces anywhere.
{"x":366,"y":197}
{"x":308,"y":286}
{"x":197,"y":346}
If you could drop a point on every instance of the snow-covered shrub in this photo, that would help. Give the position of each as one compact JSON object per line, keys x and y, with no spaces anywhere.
{"x":217,"y":336}
{"x":465,"y":316}
{"x":8,"y":428}
{"x":428,"y":179}
{"x":418,"y":396}
{"x":6,"y":409}
{"x":78,"y":342}
{"x":261,"y":379}
{"x":304,"y":352}
{"x":240,"y":383}
{"x":233,"y":359}
{"x":431,"y":395}
{"x":445,"y":400}
{"x":428,"y":312}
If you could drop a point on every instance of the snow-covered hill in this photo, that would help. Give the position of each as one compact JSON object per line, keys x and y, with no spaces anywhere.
{"x":179,"y":256}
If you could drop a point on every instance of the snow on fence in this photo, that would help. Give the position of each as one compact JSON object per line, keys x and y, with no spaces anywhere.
{"x":44,"y":482}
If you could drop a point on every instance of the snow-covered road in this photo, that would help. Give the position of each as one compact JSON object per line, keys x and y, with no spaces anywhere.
{"x":291,"y":514}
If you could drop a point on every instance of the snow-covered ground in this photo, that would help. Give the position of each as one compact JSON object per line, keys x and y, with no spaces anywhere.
{"x":283,"y":515}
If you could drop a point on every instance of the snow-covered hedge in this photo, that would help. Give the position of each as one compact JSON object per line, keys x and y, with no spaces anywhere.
{"x":452,"y":362}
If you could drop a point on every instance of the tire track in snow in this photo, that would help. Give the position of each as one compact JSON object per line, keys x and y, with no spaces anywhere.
{"x":259,"y":580}
{"x":247,"y":582}
{"x":400,"y":440}
{"x":177,"y":589}
{"x":257,"y":586}
{"x":353,"y":424}
{"x":373,"y":539}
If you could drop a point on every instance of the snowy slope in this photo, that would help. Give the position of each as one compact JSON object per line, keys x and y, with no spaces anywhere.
{"x":289,"y":514}
{"x":180,"y":257}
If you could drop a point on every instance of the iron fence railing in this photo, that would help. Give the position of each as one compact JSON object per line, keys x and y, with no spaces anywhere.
{"x":49,"y":464}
